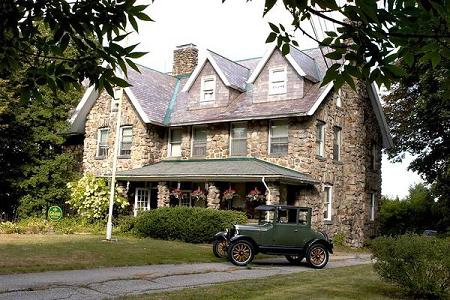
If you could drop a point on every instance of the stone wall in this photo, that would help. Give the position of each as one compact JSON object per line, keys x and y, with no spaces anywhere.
{"x":148,"y":143}
{"x":185,"y":59}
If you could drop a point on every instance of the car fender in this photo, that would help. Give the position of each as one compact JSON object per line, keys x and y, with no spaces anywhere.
{"x":246,"y":238}
{"x":220,"y":235}
{"x":327,"y":244}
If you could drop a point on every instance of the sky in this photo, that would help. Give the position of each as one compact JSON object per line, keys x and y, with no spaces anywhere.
{"x":236,"y":30}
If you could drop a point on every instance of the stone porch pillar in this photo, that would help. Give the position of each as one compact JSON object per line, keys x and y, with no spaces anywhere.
{"x":274,"y":196}
{"x":212,"y":199}
{"x":163,"y":194}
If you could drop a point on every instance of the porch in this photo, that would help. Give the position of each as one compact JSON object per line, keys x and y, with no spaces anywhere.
{"x":232,"y":183}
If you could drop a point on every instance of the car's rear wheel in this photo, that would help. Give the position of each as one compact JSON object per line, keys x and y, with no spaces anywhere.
{"x":241,"y":253}
{"x":317,"y":256}
{"x":220,"y":248}
{"x":295,"y":259}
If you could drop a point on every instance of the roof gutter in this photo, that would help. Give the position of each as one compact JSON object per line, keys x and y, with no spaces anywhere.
{"x":267,"y":189}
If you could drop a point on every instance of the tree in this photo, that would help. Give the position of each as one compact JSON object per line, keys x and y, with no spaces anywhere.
{"x":381,"y":32}
{"x":34,"y":35}
{"x":418,"y":113}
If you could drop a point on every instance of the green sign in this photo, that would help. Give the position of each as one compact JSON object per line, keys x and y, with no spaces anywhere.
{"x":55,"y":213}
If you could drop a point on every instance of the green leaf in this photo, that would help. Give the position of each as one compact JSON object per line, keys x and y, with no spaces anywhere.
{"x":119,"y":82}
{"x":331,"y":33}
{"x":336,"y":55}
{"x":136,"y":54}
{"x":132,"y":65}
{"x":274,"y":27}
{"x":285,"y":49}
{"x":268,"y":6}
{"x":272,"y":36}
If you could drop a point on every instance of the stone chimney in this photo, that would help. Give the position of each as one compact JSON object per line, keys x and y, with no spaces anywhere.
{"x":185,"y":59}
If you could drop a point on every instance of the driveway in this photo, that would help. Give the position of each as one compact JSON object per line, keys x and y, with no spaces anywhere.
{"x":120,"y":281}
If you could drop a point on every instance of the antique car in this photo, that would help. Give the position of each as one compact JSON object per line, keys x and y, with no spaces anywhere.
{"x":281,"y":230}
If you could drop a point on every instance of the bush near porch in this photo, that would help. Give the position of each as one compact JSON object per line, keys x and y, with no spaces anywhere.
{"x":188,"y":224}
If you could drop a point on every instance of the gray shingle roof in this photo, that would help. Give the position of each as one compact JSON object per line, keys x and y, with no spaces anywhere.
{"x":236,"y":74}
{"x":307,"y":63}
{"x":233,"y":169}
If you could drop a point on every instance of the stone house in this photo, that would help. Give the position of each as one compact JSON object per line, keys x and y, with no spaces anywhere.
{"x":262,"y":126}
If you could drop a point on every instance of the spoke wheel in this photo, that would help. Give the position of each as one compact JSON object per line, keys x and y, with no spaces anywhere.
{"x":317,"y":256}
{"x":241,"y":253}
{"x":295,"y":259}
{"x":220,"y":248}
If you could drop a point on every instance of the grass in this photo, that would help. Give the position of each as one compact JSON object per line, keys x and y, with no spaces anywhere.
{"x":357,"y":282}
{"x":36,"y":253}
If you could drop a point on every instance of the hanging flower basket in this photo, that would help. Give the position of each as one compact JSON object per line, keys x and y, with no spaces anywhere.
{"x":176,"y":193}
{"x":198,"y":195}
{"x":229,"y":194}
{"x":255,"y":195}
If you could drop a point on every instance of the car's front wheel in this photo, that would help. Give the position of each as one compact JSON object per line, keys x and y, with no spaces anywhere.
{"x":317,"y":256}
{"x":295,"y":259}
{"x":241,"y":253}
{"x":220,"y":248}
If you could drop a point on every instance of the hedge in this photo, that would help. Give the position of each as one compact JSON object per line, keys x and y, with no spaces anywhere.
{"x":192,"y":225}
{"x":419,"y":265}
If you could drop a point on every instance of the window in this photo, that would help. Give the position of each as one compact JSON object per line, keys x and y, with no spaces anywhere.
{"x":372,"y":207}
{"x":238,"y":144}
{"x":302,"y":217}
{"x":175,"y":142}
{"x":185,"y":199}
{"x":208,"y":89}
{"x":339,"y":98}
{"x":141,"y":200}
{"x":126,"y":135}
{"x":287,"y":216}
{"x":327,"y":203}
{"x":337,"y":140}
{"x":277,"y":81}
{"x":320,"y":138}
{"x":199,"y":141}
{"x":373,"y":156}
{"x":278,"y":137}
{"x":102,"y":142}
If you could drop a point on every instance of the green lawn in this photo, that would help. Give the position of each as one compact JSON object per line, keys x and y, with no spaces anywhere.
{"x":35,"y":252}
{"x":358,"y":282}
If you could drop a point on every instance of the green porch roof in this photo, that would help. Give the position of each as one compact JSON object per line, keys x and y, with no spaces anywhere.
{"x":229,"y":169}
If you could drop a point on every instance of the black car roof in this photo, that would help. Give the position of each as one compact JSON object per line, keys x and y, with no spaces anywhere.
{"x":274,"y":207}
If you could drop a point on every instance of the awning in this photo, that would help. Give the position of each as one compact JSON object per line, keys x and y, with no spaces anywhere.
{"x":229,"y":169}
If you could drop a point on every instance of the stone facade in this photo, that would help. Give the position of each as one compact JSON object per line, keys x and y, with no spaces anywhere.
{"x":185,"y":58}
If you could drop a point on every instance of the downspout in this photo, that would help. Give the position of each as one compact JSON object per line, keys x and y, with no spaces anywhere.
{"x":267,"y":189}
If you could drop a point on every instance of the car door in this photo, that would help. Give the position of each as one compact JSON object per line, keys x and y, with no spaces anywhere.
{"x":288,"y":231}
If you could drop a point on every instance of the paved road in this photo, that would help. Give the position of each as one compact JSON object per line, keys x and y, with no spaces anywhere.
{"x":115,"y":282}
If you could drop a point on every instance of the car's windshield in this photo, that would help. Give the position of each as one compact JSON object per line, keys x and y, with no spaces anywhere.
{"x":265,"y":217}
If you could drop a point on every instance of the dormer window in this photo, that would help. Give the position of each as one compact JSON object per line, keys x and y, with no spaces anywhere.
{"x":277,"y":80}
{"x":208,"y":92}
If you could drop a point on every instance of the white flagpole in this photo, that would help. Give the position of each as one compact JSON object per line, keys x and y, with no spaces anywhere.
{"x":119,"y":95}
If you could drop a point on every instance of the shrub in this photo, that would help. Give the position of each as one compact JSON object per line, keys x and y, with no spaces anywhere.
{"x":339,"y":239}
{"x":10,"y":227}
{"x":35,"y":225}
{"x":90,"y":197}
{"x":193,"y":225}
{"x":418,"y":264}
{"x":125,"y":224}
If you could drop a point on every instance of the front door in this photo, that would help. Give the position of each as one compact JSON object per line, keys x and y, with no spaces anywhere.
{"x":141,"y":200}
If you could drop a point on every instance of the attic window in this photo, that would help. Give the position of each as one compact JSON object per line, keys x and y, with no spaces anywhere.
{"x":277,"y":80}
{"x":208,"y":89}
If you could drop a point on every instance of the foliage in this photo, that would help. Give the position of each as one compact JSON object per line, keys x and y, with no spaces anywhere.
{"x":192,"y":225}
{"x":382,"y":32}
{"x":67,"y":225}
{"x":418,"y":264}
{"x":35,"y":163}
{"x":90,"y":197}
{"x":418,"y":113}
{"x":125,"y":224}
{"x":412,"y":214}
{"x":339,"y":239}
{"x":36,"y":33}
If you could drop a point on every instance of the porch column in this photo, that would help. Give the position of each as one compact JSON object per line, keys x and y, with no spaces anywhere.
{"x":212,"y":199}
{"x":163,"y":194}
{"x":274,"y":196}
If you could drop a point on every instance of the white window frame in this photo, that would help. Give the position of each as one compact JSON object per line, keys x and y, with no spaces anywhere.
{"x":100,"y":130}
{"x":192,"y":141}
{"x":203,"y":90}
{"x":233,"y":125}
{"x":121,"y":138}
{"x":169,"y":152}
{"x":271,"y":124}
{"x":136,"y":200}
{"x":338,"y":130}
{"x":328,"y":197}
{"x":272,"y":82}
{"x":339,"y":98}
{"x":322,"y":140}
{"x":372,"y":206}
